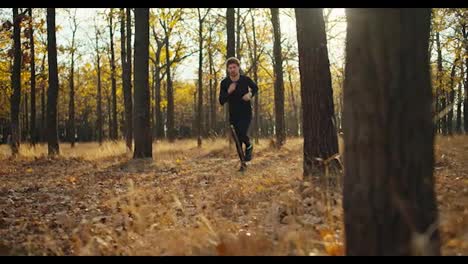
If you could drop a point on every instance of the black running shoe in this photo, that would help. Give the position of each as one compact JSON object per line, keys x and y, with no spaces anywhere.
{"x":248,"y":152}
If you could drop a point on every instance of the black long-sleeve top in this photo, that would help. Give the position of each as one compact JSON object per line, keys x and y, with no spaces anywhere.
{"x":238,"y":108}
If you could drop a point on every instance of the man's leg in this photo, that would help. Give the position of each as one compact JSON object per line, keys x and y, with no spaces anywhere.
{"x":243,"y":128}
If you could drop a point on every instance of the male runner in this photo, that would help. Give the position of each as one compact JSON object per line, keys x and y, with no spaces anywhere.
{"x":238,"y":90}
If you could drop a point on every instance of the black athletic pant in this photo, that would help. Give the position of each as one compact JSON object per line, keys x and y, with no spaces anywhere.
{"x":242,"y":127}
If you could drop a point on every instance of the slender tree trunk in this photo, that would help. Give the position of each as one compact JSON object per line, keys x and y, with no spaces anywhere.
{"x":238,"y":34}
{"x":25,"y":130}
{"x":451,"y":98}
{"x":212,"y":101}
{"x":389,"y":199}
{"x":109,"y":116}
{"x":294,"y":106}
{"x":255,"y":76}
{"x":279,"y":83}
{"x":33,"y":129}
{"x":200,"y":81}
{"x":113,"y":134}
{"x":142,"y":129}
{"x":439,"y":94}
{"x":459,"y":101}
{"x":99,"y":93}
{"x":71,"y":106}
{"x":465,"y":99}
{"x":129,"y":115}
{"x":52,"y":92}
{"x":320,"y":138}
{"x":43,"y":101}
{"x":126,"y":80}
{"x":231,"y":52}
{"x":159,"y":114}
{"x":215,"y":116}
{"x":16,"y":84}
{"x":170,"y":96}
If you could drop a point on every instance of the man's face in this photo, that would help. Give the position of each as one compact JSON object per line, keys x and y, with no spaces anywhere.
{"x":233,"y":69}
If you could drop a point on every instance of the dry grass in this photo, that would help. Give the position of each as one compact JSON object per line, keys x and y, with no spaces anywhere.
{"x":96,"y":200}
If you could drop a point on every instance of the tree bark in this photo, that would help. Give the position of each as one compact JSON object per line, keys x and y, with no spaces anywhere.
{"x":129,"y":75}
{"x":389,"y":199}
{"x":294,"y":106}
{"x":126,"y":77}
{"x":320,"y":138}
{"x":459,"y":101}
{"x":238,"y":34}
{"x":71,"y":106}
{"x":231,"y":52}
{"x":99,"y":91}
{"x":200,"y":80}
{"x":212,"y":97}
{"x":465,"y":99}
{"x":159,"y":122}
{"x":439,"y":91}
{"x":113,"y":132}
{"x":143,"y":140}
{"x":451,"y":97}
{"x":170,"y":93}
{"x":16,"y":84}
{"x":52,"y":92}
{"x":279,"y":83}
{"x":255,"y":76}
{"x":43,"y":101}
{"x":32,"y":127}
{"x":25,"y":128}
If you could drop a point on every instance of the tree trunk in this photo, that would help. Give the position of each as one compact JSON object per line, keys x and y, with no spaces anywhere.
{"x":143,"y":141}
{"x":212,"y":95}
{"x":439,"y":94}
{"x":71,"y":106}
{"x":238,"y":34}
{"x":214,"y":117}
{"x":16,"y":84}
{"x":43,"y":101}
{"x":99,"y":92}
{"x":52,"y":92}
{"x":129,"y":115}
{"x":451,"y":97}
{"x":279,"y":83}
{"x":113,"y":132}
{"x":170,"y":96}
{"x":33,"y":130}
{"x":320,"y":138}
{"x":389,"y":199}
{"x":25,"y":128}
{"x":465,"y":99}
{"x":255,"y":75}
{"x":294,"y":106}
{"x":126,"y":79}
{"x":459,"y":101}
{"x":109,"y":116}
{"x":159,"y":115}
{"x":200,"y":81}
{"x":231,"y":52}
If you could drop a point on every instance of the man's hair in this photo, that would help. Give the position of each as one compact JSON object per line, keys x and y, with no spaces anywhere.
{"x":232,"y":60}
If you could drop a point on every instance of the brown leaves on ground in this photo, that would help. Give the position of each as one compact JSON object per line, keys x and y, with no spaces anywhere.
{"x":189,"y":201}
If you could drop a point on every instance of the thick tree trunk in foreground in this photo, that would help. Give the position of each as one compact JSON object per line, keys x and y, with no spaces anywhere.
{"x":389,"y":199}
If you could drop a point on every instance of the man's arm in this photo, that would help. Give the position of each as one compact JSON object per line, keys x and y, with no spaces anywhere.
{"x":223,"y":93}
{"x":253,"y":86}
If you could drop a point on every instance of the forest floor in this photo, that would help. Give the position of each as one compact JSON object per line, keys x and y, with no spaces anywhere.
{"x":191,"y":201}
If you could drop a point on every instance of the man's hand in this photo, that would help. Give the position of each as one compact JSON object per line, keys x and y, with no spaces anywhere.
{"x":232,"y":88}
{"x":247,"y":96}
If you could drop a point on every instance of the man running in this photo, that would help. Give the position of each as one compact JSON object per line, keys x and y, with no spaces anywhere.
{"x":238,"y":90}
